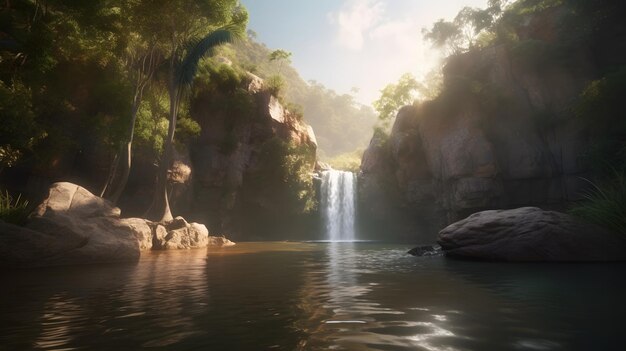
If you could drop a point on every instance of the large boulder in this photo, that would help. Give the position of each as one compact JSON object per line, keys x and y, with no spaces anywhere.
{"x":72,"y":226}
{"x":530,"y":234}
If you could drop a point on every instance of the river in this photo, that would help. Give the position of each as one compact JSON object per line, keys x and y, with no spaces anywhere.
{"x":313,"y":296}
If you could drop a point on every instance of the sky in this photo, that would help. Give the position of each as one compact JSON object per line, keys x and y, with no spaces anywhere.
{"x":346,"y":44}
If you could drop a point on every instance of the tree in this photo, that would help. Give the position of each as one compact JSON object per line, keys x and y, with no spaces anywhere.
{"x":188,"y":41}
{"x":460,"y":35}
{"x":281,"y":56}
{"x":394,"y":96}
{"x":141,"y":59}
{"x":45,"y":50}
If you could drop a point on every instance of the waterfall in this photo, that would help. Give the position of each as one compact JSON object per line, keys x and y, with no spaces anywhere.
{"x":339,"y":204}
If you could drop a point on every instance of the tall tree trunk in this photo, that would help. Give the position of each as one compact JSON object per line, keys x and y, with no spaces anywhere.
{"x":127,"y":152}
{"x":160,"y":207}
{"x":111,"y":176}
{"x":116,"y":182}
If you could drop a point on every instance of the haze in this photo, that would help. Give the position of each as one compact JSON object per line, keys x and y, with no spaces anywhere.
{"x":338,"y":43}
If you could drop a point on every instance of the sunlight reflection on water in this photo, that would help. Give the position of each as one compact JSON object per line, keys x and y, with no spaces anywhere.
{"x":312,"y":296}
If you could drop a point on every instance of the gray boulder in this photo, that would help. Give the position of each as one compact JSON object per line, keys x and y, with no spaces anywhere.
{"x":142,"y":229}
{"x":179,"y":234}
{"x":530,"y":234}
{"x":72,"y":226}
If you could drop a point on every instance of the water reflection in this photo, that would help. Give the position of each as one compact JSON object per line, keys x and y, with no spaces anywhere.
{"x":340,"y":312}
{"x":313,"y":296}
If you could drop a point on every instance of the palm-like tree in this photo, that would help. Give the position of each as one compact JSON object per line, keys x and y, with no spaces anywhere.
{"x":183,"y":66}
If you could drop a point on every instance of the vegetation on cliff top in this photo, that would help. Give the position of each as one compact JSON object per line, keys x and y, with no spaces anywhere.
{"x":341,"y":124}
{"x":535,"y":34}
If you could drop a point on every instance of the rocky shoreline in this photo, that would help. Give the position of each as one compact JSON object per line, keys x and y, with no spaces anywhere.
{"x":73,"y":226}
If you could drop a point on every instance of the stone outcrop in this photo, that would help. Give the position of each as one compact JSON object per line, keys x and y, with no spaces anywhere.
{"x":233,"y":153}
{"x":73,"y":226}
{"x":180,"y":235}
{"x":502,"y":134}
{"x":530,"y":234}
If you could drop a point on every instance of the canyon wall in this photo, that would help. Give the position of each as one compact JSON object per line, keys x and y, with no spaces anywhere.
{"x":502,"y":134}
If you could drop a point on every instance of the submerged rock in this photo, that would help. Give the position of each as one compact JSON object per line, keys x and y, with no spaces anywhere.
{"x":426,"y":250}
{"x":530,"y":234}
{"x":220,"y":241}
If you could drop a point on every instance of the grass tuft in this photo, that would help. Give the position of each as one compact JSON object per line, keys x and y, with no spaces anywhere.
{"x":13,"y":210}
{"x":605,"y":204}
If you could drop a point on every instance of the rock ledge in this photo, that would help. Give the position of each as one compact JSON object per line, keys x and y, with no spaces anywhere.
{"x":530,"y":234}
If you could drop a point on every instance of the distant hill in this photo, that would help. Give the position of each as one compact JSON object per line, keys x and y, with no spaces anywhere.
{"x":341,"y":124}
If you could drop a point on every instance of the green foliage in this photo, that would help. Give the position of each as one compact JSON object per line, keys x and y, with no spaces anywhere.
{"x":62,"y":89}
{"x":340,"y":123}
{"x":475,"y":28}
{"x":602,"y":107}
{"x":605,"y":204}
{"x":296,"y":110}
{"x":460,"y":34}
{"x":19,"y":131}
{"x":275,"y":85}
{"x":199,"y":48}
{"x":151,"y":125}
{"x":186,"y":130}
{"x":350,"y":161}
{"x":13,"y":210}
{"x":381,"y":136}
{"x":216,"y":77}
{"x":526,"y":7}
{"x":394,"y":96}
{"x":284,"y":174}
{"x":225,"y":86}
{"x":281,"y":56}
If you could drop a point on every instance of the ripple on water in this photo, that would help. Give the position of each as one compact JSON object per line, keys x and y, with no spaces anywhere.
{"x":311,"y":296}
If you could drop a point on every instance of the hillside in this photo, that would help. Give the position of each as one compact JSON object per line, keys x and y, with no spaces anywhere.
{"x":341,"y":124}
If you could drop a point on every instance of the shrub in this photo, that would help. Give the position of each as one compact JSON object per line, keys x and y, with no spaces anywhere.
{"x":601,"y":107}
{"x":284,"y":175}
{"x":296,"y":110}
{"x":605,"y":204}
{"x":275,"y":85}
{"x":13,"y":210}
{"x":349,"y":161}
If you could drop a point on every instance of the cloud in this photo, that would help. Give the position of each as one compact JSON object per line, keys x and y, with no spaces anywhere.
{"x":355,"y":20}
{"x":377,"y":41}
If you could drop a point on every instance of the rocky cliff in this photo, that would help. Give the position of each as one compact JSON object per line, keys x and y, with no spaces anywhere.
{"x":248,"y":173}
{"x":502,"y":134}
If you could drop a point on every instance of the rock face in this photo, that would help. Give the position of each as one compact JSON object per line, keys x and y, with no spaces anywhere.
{"x":502,"y":134}
{"x":530,"y":234}
{"x":235,"y":186}
{"x":73,"y":226}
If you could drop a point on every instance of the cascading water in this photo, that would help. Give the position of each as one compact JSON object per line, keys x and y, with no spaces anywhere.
{"x":339,"y":204}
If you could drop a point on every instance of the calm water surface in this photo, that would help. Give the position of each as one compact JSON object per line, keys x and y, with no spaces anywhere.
{"x":313,"y":296}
